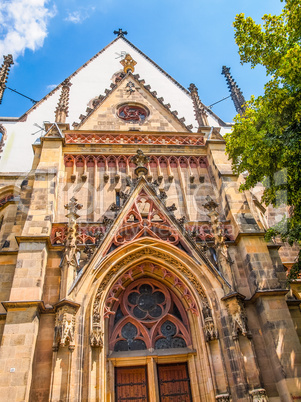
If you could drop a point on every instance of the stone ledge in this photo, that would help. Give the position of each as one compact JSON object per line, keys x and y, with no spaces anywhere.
{"x":246,"y":234}
{"x":267,"y":293}
{"x":34,"y":239}
{"x":151,"y":352}
{"x":66,"y":302}
{"x":233,"y":295}
{"x":14,"y":305}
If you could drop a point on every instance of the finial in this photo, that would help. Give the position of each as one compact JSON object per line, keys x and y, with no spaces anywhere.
{"x":120,"y":32}
{"x":199,"y":110}
{"x":4,"y":70}
{"x":62,"y":108}
{"x":235,"y":91}
{"x":73,"y":207}
{"x":140,"y":160}
{"x":128,"y":63}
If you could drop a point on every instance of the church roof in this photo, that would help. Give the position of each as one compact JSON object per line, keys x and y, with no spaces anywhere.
{"x":94,"y":57}
{"x":146,"y":88}
{"x":88,"y":82}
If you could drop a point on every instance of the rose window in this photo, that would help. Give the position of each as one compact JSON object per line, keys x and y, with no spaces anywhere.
{"x":146,"y":301}
{"x":148,"y":315}
{"x":132,"y":113}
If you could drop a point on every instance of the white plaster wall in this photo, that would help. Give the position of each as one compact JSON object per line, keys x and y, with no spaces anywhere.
{"x":89,"y":82}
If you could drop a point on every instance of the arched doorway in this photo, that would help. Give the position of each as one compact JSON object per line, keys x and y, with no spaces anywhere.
{"x":149,"y":324}
{"x":191,"y":287}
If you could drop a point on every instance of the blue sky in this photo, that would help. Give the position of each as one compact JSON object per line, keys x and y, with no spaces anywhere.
{"x":191,"y":40}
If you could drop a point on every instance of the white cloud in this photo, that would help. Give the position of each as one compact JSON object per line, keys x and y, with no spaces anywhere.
{"x":78,"y":16}
{"x":50,"y":87}
{"x":23,"y":25}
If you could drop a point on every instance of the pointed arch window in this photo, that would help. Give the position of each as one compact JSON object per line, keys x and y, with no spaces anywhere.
{"x":148,"y":315}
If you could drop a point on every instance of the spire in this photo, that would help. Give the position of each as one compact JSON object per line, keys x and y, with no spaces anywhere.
{"x":61,"y":111}
{"x":199,"y":110}
{"x":8,"y":61}
{"x":235,"y":91}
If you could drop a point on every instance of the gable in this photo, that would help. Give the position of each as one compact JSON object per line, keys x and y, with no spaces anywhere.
{"x":131,"y":106}
{"x":144,"y":214}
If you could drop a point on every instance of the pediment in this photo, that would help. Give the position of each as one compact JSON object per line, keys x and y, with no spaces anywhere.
{"x":131,"y":106}
{"x":145,"y":222}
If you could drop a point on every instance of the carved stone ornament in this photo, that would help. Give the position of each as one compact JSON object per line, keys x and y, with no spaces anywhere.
{"x":223,"y":398}
{"x":209,"y":329}
{"x":237,"y":312}
{"x":140,"y":160}
{"x":70,"y":256}
{"x":210,"y":205}
{"x":64,"y":327}
{"x":182,"y":220}
{"x":4,"y":70}
{"x":96,"y":337}
{"x":259,"y":395}
{"x":61,"y":111}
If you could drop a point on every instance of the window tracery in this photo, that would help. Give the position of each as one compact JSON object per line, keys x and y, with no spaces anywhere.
{"x":132,"y":113}
{"x":148,"y":315}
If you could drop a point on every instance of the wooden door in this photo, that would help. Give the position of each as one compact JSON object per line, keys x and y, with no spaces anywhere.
{"x":174,"y":383}
{"x":131,"y":384}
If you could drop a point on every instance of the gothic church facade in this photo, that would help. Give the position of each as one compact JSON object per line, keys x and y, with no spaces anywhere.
{"x":131,"y":266}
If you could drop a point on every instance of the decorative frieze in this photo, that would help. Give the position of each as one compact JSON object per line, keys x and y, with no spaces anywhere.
{"x":92,"y":234}
{"x":123,"y":161}
{"x":78,"y":138}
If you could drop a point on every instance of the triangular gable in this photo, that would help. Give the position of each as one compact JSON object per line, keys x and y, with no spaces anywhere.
{"x":53,"y":130}
{"x":145,"y":217}
{"x":130,"y":105}
{"x":144,"y":214}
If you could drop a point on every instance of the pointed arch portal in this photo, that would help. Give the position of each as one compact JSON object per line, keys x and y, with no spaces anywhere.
{"x":147,"y":307}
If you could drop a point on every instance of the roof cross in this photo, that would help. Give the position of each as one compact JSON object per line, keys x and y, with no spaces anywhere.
{"x":120,"y":32}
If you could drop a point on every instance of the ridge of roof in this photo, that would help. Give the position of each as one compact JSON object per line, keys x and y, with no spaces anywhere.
{"x":220,"y":121}
{"x":136,"y":77}
{"x":23,"y":117}
{"x":157,"y":66}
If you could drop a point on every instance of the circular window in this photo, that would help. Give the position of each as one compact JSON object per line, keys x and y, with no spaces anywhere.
{"x":147,"y":315}
{"x":146,"y":301}
{"x":132,"y":113}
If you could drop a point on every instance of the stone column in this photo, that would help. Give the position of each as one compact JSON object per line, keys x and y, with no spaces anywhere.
{"x":25,"y":302}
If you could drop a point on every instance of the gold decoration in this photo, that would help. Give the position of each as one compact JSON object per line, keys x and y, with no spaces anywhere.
{"x":128,"y":63}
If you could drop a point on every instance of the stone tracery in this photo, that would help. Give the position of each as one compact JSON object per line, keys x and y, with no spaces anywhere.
{"x":148,"y":315}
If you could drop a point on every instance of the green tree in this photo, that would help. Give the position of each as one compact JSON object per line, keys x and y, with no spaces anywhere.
{"x":266,"y":140}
